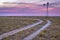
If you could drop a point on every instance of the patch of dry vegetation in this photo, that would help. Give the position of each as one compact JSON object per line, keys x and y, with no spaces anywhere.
{"x":25,"y":33}
{"x":51,"y":33}
{"x":10,"y":23}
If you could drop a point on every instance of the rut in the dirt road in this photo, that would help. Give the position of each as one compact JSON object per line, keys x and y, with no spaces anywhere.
{"x":33,"y":35}
{"x":20,"y":29}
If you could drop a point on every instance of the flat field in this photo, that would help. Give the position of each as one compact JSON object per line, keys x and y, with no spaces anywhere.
{"x":11,"y":23}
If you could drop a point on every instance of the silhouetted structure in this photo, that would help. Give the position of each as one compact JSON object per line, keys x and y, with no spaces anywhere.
{"x":47,"y":6}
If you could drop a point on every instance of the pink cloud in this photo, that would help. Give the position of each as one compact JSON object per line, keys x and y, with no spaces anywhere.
{"x":8,"y":10}
{"x":33,"y":9}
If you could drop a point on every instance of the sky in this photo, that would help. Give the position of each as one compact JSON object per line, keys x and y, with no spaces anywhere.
{"x":31,"y":1}
{"x":32,"y":8}
{"x":7,"y":0}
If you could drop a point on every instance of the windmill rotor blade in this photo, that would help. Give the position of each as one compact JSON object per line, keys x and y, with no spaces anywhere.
{"x":52,"y":3}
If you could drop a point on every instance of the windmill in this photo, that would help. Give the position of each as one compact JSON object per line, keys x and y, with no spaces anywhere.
{"x":47,"y":11}
{"x":46,"y":3}
{"x":49,"y":4}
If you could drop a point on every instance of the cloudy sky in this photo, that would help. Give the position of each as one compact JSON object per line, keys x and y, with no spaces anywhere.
{"x":7,"y":0}
{"x":30,"y":9}
{"x":31,"y":1}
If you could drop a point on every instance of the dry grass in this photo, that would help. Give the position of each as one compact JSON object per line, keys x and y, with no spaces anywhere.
{"x":25,"y":33}
{"x":11,"y":23}
{"x":51,"y":33}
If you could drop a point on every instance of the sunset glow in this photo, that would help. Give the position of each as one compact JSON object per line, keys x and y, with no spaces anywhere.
{"x":1,"y":3}
{"x":27,"y":8}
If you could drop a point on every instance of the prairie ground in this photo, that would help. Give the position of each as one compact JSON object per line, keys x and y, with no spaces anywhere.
{"x":10,"y":23}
